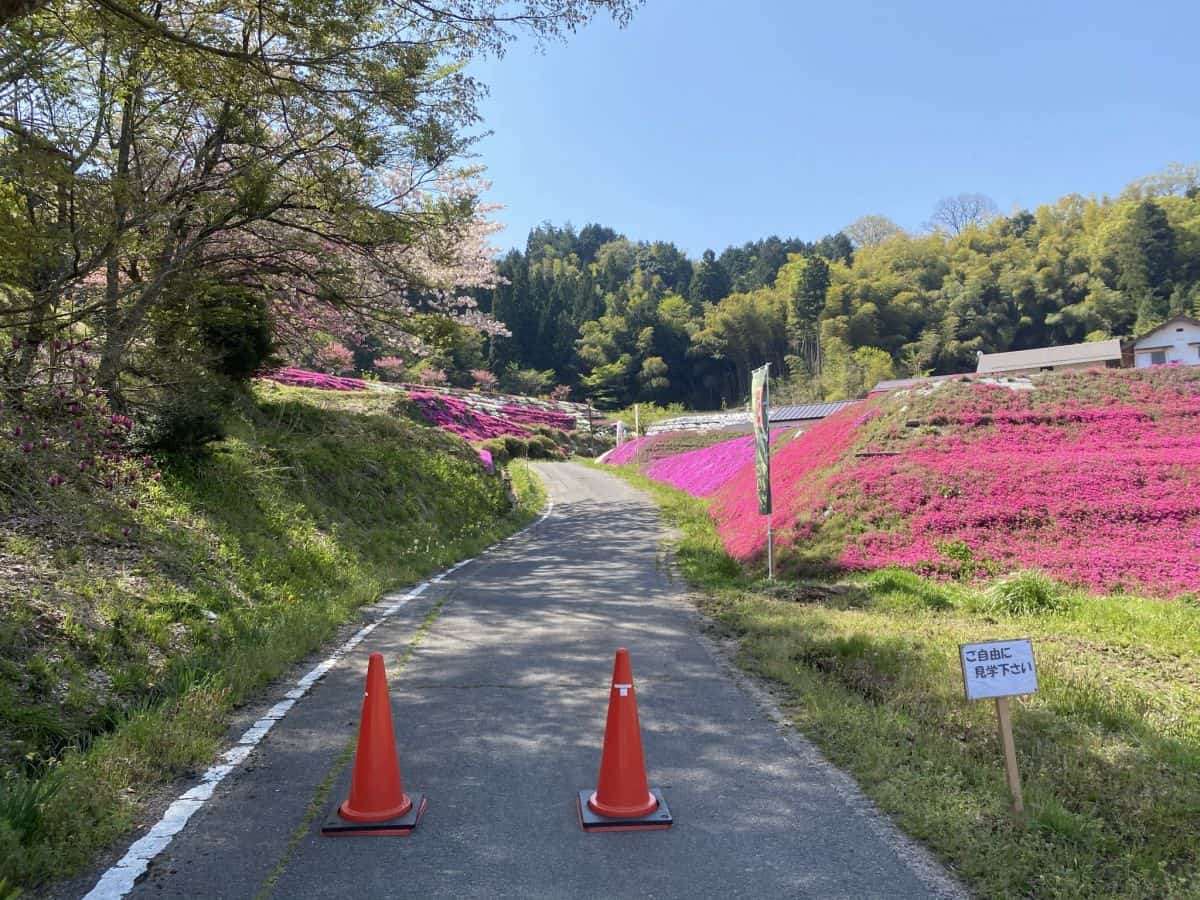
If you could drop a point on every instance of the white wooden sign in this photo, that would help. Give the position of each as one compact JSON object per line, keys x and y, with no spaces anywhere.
{"x":998,"y":668}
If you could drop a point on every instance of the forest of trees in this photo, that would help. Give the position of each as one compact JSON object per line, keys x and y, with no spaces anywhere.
{"x":623,"y":321}
{"x":189,"y":200}
{"x":191,"y":193}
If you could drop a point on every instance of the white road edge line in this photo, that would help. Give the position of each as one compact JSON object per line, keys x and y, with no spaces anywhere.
{"x":121,"y":878}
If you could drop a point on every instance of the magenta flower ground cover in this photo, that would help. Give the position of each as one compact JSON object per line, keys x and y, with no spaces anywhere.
{"x":531,"y":415}
{"x":735,"y":504}
{"x":1107,"y":498}
{"x":453,"y":415}
{"x":629,"y":450}
{"x":319,"y":380}
{"x":702,"y":471}
{"x":1093,"y":477}
{"x":649,"y":448}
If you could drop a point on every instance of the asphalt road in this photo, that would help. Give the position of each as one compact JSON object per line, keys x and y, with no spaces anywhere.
{"x":499,"y":712}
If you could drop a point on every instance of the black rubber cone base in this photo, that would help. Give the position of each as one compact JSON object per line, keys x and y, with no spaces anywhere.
{"x":652,"y":821}
{"x":336,"y":826}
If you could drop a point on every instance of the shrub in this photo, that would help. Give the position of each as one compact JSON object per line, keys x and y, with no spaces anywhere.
{"x":335,"y":357}
{"x":235,"y":328}
{"x":561,"y":438}
{"x":1026,"y":593}
{"x":181,"y":425}
{"x":484,"y":380}
{"x":514,"y":445}
{"x":530,"y":382}
{"x":57,"y":440}
{"x":390,"y":368}
{"x":498,"y":447}
{"x":431,"y":375}
{"x":541,"y":447}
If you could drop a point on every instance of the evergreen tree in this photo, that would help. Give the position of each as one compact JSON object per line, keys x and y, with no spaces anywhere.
{"x":1146,"y":262}
{"x":618,"y":320}
{"x":835,"y":248}
{"x":808,"y":301}
{"x":591,"y":238}
{"x":710,"y":281}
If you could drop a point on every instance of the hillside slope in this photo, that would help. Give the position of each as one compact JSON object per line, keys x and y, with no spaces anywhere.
{"x":129,"y":631}
{"x":1092,"y":477}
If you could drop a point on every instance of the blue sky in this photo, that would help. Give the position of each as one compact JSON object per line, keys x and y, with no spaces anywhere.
{"x":709,"y":123}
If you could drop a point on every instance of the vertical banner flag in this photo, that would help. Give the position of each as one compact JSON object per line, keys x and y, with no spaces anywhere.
{"x":762,"y":436}
{"x":620,"y":432}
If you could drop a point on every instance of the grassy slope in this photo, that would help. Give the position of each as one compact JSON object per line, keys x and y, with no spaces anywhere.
{"x":1109,"y":747}
{"x":121,"y":659}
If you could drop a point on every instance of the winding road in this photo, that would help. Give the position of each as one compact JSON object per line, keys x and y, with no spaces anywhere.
{"x":499,"y":679}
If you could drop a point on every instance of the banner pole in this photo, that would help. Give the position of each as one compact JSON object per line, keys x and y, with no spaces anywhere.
{"x":770,"y":552}
{"x":770,"y":535}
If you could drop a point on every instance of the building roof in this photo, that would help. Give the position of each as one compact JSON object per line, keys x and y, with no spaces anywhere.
{"x":808,"y":411}
{"x":740,"y":419}
{"x":702,"y":421}
{"x":1174,"y":320}
{"x":898,"y":384}
{"x":1067,"y":354}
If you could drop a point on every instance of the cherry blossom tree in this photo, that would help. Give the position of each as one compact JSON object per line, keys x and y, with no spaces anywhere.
{"x":301,"y":151}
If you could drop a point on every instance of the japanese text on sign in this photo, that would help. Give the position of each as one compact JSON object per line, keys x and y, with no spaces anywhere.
{"x":998,"y":668}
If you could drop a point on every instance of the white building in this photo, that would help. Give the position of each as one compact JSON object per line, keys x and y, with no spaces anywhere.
{"x":1176,"y":340}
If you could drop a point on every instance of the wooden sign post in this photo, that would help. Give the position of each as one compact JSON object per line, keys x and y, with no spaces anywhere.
{"x":999,"y":670}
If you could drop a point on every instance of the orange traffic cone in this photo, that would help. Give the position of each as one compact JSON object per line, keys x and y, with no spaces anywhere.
{"x":622,"y":801}
{"x":377,"y":803}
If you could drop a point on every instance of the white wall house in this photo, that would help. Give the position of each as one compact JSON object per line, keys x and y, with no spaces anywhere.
{"x":1176,"y":340}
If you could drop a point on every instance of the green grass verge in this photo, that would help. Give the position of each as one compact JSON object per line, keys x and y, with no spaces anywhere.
{"x":121,"y":660}
{"x":1109,"y":747}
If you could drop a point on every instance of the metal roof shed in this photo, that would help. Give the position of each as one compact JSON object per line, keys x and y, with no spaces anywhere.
{"x":1067,"y":356}
{"x":807,"y":412}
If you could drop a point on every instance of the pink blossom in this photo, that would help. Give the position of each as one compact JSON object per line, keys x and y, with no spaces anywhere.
{"x":335,"y":357}
{"x":484,"y":379}
{"x":391,"y":368}
{"x":432,"y":376}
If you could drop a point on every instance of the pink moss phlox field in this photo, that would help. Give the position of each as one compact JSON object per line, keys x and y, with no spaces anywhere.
{"x":1092,"y":477}
{"x":1107,"y":498}
{"x":530,"y":415}
{"x":485,"y":457}
{"x":319,"y":380}
{"x":649,"y":448}
{"x":701,"y":472}
{"x":451,"y":414}
{"x":626,"y":453}
{"x":735,"y":505}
